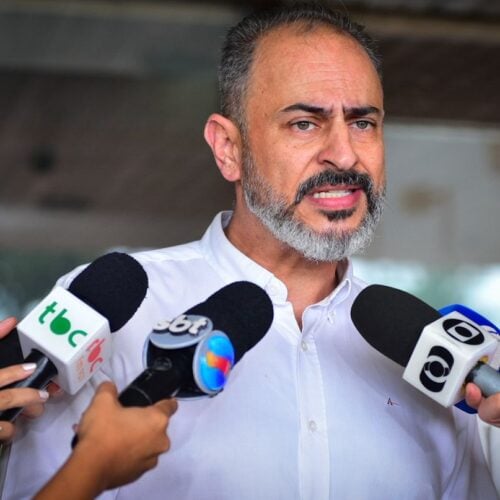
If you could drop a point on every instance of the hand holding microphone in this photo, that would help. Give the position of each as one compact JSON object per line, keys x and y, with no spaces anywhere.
{"x":440,"y":353}
{"x":129,"y":442}
{"x":67,"y":335}
{"x":193,"y":354}
{"x":488,"y":408}
{"x":31,"y":399}
{"x":473,"y":395}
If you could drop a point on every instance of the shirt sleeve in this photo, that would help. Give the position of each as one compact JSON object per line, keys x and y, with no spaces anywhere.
{"x":490,"y":441}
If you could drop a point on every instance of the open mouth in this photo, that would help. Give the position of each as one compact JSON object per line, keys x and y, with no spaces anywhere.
{"x":335,"y":197}
{"x":334,"y":193}
{"x":335,"y":190}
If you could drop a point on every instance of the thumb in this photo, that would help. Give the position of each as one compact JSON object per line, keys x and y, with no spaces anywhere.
{"x":107,"y":387}
{"x":167,"y":406}
{"x":106,"y":390}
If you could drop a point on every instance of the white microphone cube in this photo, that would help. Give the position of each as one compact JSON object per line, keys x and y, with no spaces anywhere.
{"x":445,"y":353}
{"x":75,"y":337}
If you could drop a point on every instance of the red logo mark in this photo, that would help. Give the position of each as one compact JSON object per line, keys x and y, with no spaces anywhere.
{"x":94,"y":357}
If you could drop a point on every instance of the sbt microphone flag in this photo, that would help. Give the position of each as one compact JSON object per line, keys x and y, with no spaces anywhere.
{"x":446,"y":352}
{"x":77,"y":337}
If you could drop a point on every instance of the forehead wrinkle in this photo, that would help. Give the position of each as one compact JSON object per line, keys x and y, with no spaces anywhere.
{"x":266,"y":71}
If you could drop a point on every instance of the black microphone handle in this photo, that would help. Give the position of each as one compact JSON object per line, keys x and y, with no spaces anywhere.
{"x":161,"y":381}
{"x":486,"y":378}
{"x":44,"y":372}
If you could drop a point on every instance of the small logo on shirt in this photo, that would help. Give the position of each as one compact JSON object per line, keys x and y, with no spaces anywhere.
{"x":390,"y":402}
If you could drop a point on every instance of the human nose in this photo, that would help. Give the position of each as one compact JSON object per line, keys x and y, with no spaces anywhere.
{"x":337,"y":150}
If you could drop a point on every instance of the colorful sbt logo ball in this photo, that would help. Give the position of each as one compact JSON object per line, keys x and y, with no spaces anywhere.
{"x":213,"y":361}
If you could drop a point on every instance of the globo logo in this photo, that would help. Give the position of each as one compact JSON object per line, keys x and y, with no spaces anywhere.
{"x":436,"y":369}
{"x":463,"y":332}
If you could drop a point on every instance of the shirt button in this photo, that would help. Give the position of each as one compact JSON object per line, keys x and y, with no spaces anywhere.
{"x":312,"y":426}
{"x":331,"y":316}
{"x":303,"y":345}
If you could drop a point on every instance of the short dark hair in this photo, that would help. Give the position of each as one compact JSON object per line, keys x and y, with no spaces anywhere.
{"x":241,"y":40}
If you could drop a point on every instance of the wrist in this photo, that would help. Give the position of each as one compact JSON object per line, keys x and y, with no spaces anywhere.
{"x":90,"y":467}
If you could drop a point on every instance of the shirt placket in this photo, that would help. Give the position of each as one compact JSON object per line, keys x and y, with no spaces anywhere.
{"x":314,"y":466}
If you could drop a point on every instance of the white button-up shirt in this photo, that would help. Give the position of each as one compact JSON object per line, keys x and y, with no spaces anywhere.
{"x":313,"y":415}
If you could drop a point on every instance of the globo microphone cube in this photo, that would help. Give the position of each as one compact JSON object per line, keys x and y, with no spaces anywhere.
{"x":71,"y":334}
{"x":445,"y":353}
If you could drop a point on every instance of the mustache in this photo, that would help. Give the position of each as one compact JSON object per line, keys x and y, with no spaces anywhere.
{"x":333,"y":178}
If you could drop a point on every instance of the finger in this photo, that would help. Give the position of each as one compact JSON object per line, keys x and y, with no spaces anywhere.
{"x":7,"y":325}
{"x":105,"y":393}
{"x":148,"y":464}
{"x":473,"y":395}
{"x":107,"y":388}
{"x":54,"y":390}
{"x":489,"y":411}
{"x":7,"y":431}
{"x":167,"y":406}
{"x":152,"y":462}
{"x":16,"y":372}
{"x":19,"y":398}
{"x":32,"y":411}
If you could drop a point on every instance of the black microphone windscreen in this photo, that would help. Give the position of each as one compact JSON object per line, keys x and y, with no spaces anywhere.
{"x":242,"y":310}
{"x":391,"y":320}
{"x":114,"y":285}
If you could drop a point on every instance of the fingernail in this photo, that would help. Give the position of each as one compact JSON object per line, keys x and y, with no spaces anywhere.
{"x":5,"y":320}
{"x":29,"y":367}
{"x":43,"y":395}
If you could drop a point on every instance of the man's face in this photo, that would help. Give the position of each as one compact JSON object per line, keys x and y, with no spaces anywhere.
{"x":313,"y":159}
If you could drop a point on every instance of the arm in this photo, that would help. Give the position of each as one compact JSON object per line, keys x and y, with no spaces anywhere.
{"x":31,"y":399}
{"x":116,"y":445}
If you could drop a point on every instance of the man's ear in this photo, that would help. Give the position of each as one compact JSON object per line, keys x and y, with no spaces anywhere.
{"x":224,"y":138}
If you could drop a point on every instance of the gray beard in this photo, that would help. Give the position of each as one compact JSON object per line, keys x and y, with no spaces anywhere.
{"x":332,"y":246}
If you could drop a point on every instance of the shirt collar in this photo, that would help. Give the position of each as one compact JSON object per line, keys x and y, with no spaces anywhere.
{"x":344,"y":287}
{"x":233,"y":265}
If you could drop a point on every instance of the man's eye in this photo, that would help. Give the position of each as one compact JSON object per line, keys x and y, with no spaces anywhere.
{"x":363,"y":124}
{"x":304,"y":125}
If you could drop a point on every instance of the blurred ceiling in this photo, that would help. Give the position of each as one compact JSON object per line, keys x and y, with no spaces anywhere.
{"x":103,"y":106}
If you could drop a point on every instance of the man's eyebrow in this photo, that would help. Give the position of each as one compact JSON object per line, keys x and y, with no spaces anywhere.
{"x":362,"y":111}
{"x":318,"y":110}
{"x":308,"y":108}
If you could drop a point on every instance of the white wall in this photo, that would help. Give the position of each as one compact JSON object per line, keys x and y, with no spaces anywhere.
{"x":443,"y":203}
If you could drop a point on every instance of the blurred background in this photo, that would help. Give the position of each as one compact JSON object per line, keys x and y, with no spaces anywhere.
{"x":102,"y":107}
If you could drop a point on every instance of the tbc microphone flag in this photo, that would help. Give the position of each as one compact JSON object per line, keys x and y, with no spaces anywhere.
{"x":67,"y":334}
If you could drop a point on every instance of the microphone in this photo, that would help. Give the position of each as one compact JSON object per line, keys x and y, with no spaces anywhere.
{"x":479,"y":320}
{"x":67,"y":334}
{"x":440,"y":353}
{"x":192,"y":355}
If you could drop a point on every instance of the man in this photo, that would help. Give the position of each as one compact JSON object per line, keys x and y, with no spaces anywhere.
{"x":305,"y":413}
